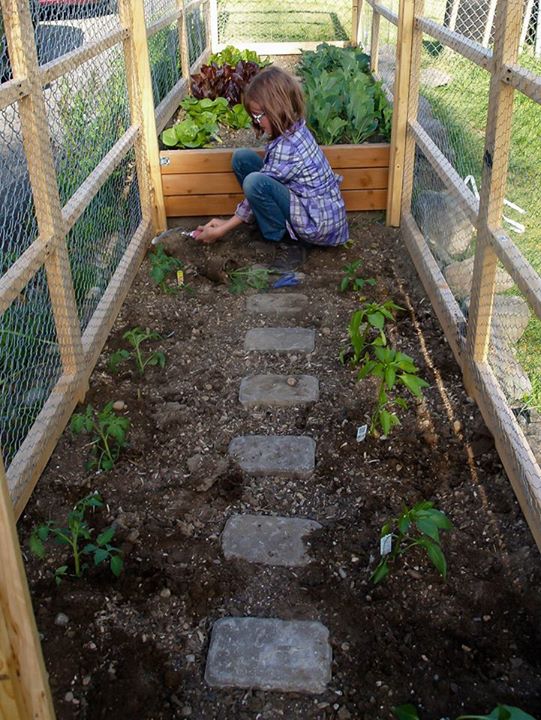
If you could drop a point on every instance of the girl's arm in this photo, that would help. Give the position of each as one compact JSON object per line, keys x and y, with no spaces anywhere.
{"x":216,"y":229}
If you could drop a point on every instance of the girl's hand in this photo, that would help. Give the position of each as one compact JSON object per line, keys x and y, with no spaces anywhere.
{"x":211,"y":232}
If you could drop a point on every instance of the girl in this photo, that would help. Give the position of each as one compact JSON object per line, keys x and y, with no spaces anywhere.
{"x":292,"y":193}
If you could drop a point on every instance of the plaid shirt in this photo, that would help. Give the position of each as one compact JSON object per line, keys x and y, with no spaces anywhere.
{"x":318,"y":213}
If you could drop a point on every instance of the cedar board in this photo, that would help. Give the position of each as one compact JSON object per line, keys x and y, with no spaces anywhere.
{"x":201,"y":182}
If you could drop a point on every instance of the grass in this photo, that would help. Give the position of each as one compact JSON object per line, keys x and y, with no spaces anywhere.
{"x":272,"y":22}
{"x":462,"y":108}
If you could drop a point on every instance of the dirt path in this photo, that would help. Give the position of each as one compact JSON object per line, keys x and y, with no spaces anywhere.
{"x":136,"y":647}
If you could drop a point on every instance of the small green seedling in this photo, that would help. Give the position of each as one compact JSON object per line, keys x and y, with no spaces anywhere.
{"x":500,"y":712}
{"x":136,"y":336}
{"x":351,"y":279}
{"x":244,"y":278}
{"x":109,"y":434}
{"x":367,"y":328}
{"x":418,"y":526}
{"x":390,"y":367}
{"x":73,"y":534}
{"x":162,"y":266}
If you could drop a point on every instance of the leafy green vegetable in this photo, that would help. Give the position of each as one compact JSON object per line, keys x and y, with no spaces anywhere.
{"x":202,"y":121}
{"x":231,"y":55}
{"x":344,"y":103}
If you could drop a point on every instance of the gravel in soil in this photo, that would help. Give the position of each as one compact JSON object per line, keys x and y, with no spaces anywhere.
{"x":136,"y":647}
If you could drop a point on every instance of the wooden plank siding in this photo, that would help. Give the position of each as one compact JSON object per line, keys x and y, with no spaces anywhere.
{"x":201,"y":182}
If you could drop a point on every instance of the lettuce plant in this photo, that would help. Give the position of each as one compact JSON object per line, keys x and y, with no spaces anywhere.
{"x":227,"y":81}
{"x":231,"y":55}
{"x":202,"y":121}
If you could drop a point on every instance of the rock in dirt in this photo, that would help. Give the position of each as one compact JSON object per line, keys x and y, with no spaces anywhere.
{"x":169,"y":415}
{"x":206,"y":470}
{"x":61,"y":620}
{"x":459,"y":277}
{"x":443,"y":223}
{"x":119,"y":405}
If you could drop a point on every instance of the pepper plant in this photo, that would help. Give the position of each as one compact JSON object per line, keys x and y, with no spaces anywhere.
{"x":416,"y":527}
{"x":500,"y":712}
{"x":351,"y":279}
{"x":73,"y":534}
{"x":366,"y":329}
{"x":136,"y":337}
{"x":109,"y":432}
{"x":391,"y":368}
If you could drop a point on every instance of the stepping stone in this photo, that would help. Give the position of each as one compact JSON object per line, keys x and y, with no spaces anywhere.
{"x":280,"y":340}
{"x":269,"y":654}
{"x":278,"y":390}
{"x":267,"y":540}
{"x":282,"y":455}
{"x":285,"y":305}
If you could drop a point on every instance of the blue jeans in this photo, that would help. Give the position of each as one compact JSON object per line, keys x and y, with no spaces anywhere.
{"x":268,"y":198}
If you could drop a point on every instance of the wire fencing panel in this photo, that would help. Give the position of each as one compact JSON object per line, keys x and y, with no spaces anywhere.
{"x":479,"y":216}
{"x":74,"y":199}
{"x":283,"y":21}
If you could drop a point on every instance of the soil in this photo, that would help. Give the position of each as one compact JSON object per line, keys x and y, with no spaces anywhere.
{"x":135,"y":647}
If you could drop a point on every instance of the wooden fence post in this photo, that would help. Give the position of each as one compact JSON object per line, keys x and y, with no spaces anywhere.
{"x":406,"y":21}
{"x":138,"y":77}
{"x":24,"y":690}
{"x":356,"y":10}
{"x":43,"y":181}
{"x":183,"y":42}
{"x":214,"y":38}
{"x":374,"y":43}
{"x":413,"y":106}
{"x":493,"y":182}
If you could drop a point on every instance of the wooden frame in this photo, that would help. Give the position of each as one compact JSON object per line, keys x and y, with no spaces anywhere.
{"x":201,"y":182}
{"x":469,"y":340}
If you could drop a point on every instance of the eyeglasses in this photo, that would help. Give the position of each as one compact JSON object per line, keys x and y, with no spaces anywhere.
{"x":256,"y":117}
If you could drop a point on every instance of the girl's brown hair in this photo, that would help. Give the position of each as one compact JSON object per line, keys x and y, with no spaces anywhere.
{"x":279,"y":96}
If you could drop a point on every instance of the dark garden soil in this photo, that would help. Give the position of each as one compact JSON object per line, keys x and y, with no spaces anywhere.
{"x":135,"y":648}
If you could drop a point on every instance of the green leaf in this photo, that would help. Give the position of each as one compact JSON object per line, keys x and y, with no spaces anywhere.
{"x":439,"y":519}
{"x":376,"y":320}
{"x":100,"y":555}
{"x":169,"y":138}
{"x":116,"y":565}
{"x":60,"y":573}
{"x":390,"y":377}
{"x":427,"y":527}
{"x":344,"y":284}
{"x":106,"y":536}
{"x":413,"y":383}
{"x":36,"y":545}
{"x":406,"y":712}
{"x":381,"y":572}
{"x":385,"y":420}
{"x":437,"y":557}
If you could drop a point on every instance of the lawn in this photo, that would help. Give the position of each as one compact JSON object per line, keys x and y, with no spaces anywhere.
{"x":254,"y":21}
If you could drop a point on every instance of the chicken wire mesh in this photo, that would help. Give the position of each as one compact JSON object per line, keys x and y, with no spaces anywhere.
{"x":98,"y":240}
{"x":283,"y":21}
{"x":29,"y":363}
{"x":18,"y":225}
{"x":197,"y":30}
{"x":86,"y":111}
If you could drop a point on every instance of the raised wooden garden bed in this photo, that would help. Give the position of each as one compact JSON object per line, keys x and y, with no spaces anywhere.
{"x":201,"y":182}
